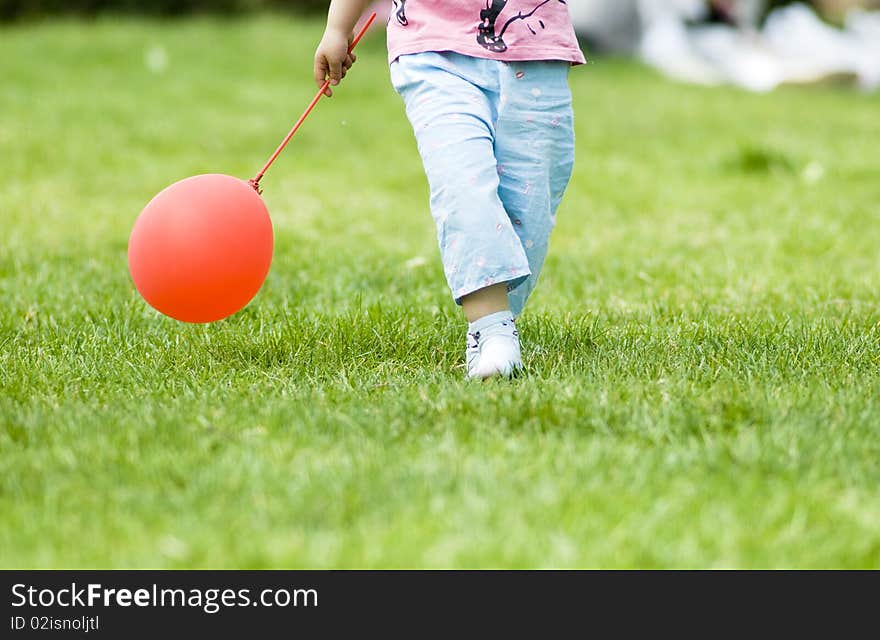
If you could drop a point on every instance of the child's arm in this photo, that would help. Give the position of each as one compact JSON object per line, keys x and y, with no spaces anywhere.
{"x":332,"y":58}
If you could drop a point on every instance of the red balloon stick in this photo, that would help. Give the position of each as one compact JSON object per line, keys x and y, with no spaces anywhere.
{"x":255,"y":183}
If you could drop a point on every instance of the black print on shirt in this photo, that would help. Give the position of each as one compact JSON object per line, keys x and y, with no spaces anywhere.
{"x":493,"y":40}
{"x":488,"y":35}
{"x":400,"y":13}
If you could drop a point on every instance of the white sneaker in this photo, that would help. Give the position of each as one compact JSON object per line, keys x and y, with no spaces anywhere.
{"x":493,"y":348}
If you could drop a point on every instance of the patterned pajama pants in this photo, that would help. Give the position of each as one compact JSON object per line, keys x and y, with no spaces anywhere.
{"x":497,"y":143}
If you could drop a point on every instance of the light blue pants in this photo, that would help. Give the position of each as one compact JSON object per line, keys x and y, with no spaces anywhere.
{"x":497,"y":143}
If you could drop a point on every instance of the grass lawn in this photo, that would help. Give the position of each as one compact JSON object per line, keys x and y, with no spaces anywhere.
{"x":703,"y":350}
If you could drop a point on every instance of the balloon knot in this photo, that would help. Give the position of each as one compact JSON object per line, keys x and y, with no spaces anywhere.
{"x":256,"y":186}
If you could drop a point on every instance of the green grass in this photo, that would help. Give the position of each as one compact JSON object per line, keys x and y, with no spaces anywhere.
{"x":703,"y":350}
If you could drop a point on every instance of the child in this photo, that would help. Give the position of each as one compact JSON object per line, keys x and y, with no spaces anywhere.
{"x":485,"y":83}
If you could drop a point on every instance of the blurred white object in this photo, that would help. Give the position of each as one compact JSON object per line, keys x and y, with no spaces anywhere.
{"x":865,"y":26}
{"x":740,"y":57}
{"x":795,"y":46}
{"x":811,"y":50}
{"x":653,"y":10}
{"x":808,"y":48}
{"x":667,"y":46}
{"x":618,"y":25}
{"x":609,"y":26}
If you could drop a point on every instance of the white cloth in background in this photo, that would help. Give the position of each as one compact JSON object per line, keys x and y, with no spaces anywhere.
{"x":795,"y":46}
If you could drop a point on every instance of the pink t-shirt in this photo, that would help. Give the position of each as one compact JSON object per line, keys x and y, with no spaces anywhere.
{"x":506,"y":30}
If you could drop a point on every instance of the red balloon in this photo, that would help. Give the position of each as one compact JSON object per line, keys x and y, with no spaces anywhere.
{"x":201,"y":249}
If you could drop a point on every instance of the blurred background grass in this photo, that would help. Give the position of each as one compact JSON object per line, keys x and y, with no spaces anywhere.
{"x":30,"y":9}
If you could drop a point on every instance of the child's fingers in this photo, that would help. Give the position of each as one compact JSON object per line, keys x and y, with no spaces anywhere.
{"x":335,"y":71}
{"x":320,"y":70}
{"x":320,"y":73}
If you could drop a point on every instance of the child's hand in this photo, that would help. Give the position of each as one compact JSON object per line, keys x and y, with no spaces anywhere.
{"x":332,"y":59}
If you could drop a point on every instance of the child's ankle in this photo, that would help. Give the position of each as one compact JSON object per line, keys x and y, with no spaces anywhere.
{"x":496,"y":320}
